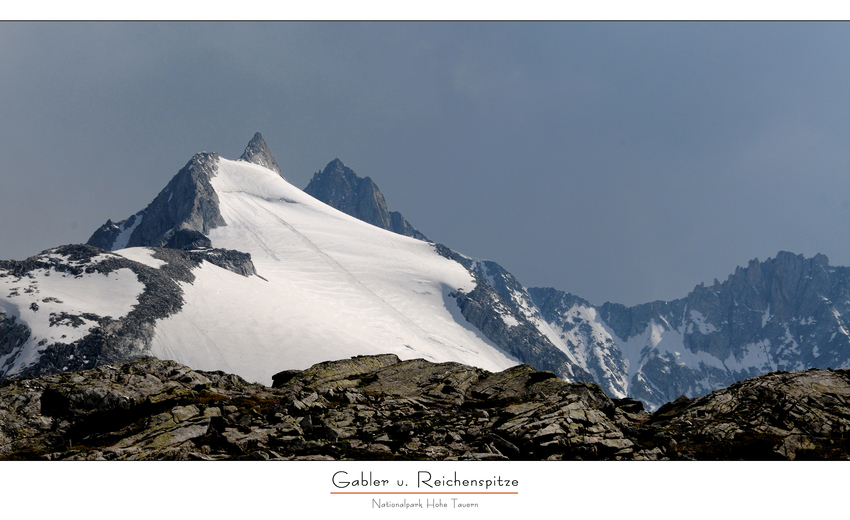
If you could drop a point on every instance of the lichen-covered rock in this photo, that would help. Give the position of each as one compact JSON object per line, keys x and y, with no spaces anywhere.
{"x":781,"y":415}
{"x":379,"y":407}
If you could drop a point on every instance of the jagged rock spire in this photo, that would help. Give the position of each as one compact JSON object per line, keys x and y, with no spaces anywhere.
{"x":339,"y":187}
{"x":258,"y":153}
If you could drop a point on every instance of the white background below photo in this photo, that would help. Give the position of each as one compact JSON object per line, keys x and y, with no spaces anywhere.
{"x":703,"y":490}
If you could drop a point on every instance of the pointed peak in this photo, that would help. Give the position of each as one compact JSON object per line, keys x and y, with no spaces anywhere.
{"x":821,"y":259}
{"x":339,"y":172}
{"x":258,"y":152}
{"x":336,"y":164}
{"x":340,"y":187}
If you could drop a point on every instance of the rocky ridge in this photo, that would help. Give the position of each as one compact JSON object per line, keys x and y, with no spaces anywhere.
{"x":112,"y":339}
{"x":785,"y":313}
{"x":495,"y":314}
{"x":380,"y":408}
{"x":188,"y":202}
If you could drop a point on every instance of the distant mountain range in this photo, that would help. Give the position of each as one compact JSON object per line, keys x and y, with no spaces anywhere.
{"x":232,"y":268}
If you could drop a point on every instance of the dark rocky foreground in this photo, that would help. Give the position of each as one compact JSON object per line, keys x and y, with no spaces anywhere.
{"x":375,"y":408}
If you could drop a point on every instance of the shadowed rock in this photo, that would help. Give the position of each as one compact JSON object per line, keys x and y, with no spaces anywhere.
{"x":188,"y":202}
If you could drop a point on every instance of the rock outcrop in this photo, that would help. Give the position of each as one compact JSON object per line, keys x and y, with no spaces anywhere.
{"x":258,"y":153}
{"x":780,"y":415}
{"x":495,"y":313}
{"x":379,"y":408}
{"x":339,"y":187}
{"x":188,"y":202}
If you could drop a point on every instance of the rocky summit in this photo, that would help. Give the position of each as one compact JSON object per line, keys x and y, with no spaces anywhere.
{"x":380,"y":408}
{"x":339,"y":187}
{"x":258,"y":152}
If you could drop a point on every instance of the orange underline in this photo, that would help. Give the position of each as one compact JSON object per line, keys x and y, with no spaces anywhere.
{"x":424,"y":492}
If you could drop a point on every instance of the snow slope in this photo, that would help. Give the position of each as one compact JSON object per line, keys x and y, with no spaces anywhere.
{"x":62,"y":308}
{"x":329,"y":286}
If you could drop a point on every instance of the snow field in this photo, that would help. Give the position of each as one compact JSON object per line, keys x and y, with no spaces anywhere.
{"x":112,"y":294}
{"x":334,"y":287}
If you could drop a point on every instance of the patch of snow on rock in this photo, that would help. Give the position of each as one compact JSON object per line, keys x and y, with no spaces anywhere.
{"x":143,"y":255}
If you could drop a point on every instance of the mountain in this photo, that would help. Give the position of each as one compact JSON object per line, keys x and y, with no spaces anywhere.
{"x":786,"y":313}
{"x":76,"y":307}
{"x":382,"y":408}
{"x":232,"y":268}
{"x":339,"y":187}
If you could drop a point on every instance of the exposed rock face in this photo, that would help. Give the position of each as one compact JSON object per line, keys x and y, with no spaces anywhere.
{"x":234,"y":261}
{"x":499,"y":319}
{"x":339,"y":187}
{"x":13,"y":335}
{"x":106,"y":235}
{"x":787,"y":313}
{"x":187,"y":202}
{"x":188,"y":239}
{"x":109,"y":339}
{"x":373,"y":408}
{"x":572,"y":320}
{"x":258,"y":153}
{"x":781,"y":415}
{"x":185,"y":211}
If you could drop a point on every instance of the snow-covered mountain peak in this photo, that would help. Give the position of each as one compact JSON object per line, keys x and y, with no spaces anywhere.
{"x":312,"y":283}
{"x":231,"y":267}
{"x":329,"y":286}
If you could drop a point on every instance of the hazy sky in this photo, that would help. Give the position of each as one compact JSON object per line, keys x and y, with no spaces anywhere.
{"x":622,"y":162}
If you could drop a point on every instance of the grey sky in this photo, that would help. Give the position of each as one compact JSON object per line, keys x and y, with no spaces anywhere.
{"x":624,"y":162}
